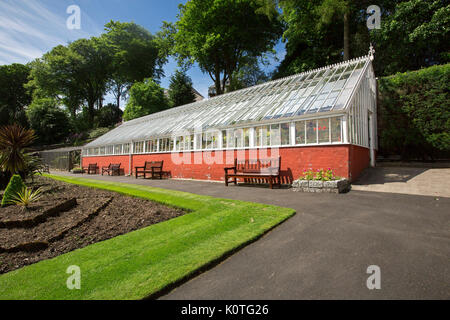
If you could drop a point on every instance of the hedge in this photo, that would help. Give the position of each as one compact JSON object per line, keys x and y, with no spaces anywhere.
{"x":414,"y":114}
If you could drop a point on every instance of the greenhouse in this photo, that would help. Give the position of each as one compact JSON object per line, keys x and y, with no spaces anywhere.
{"x":324,"y":118}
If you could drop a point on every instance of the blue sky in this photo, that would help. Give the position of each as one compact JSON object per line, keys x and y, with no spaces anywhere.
{"x":29,"y":28}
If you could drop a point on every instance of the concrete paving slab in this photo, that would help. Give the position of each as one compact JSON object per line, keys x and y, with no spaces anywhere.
{"x":406,"y":180}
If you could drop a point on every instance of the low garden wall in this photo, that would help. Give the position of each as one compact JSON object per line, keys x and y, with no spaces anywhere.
{"x":334,"y":186}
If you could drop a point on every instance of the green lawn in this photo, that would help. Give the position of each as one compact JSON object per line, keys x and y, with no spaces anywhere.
{"x":143,"y":262}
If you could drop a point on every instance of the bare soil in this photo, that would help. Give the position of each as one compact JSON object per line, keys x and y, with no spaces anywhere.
{"x":98,"y":215}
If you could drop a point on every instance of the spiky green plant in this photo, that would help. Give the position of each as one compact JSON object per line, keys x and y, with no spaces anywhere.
{"x":13,"y":141}
{"x":15,"y":185}
{"x":26,"y":196}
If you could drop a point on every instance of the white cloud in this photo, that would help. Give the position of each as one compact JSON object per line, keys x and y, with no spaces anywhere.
{"x":28,"y":29}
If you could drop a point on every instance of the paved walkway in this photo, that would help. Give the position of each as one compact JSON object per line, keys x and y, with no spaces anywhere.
{"x":406,"y":180}
{"x":324,"y":250}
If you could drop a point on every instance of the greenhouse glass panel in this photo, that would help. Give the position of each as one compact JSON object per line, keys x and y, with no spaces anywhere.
{"x":323,"y":130}
{"x":230,"y":139}
{"x":204,"y":144}
{"x":118,"y":149}
{"x":300,"y":136}
{"x":138,"y":147}
{"x":224,"y":139}
{"x":238,"y":138}
{"x":285,"y":134}
{"x":275,"y":136}
{"x":336,"y":131}
{"x":148,"y":146}
{"x":311,"y":132}
{"x":246,"y":133}
{"x":109,"y":149}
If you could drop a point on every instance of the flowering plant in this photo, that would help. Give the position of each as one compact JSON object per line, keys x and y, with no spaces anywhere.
{"x":308,"y":175}
{"x":319,"y":175}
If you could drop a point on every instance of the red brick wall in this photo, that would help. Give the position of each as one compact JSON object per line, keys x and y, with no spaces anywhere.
{"x":346,"y":160}
{"x":359,"y":160}
{"x":104,"y":161}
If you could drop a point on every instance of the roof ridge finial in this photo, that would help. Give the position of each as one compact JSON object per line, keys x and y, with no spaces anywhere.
{"x":371,"y":52}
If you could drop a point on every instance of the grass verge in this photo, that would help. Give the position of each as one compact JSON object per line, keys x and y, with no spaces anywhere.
{"x":147,"y":262}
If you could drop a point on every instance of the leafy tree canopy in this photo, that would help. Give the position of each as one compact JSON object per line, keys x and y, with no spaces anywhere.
{"x":319,"y":32}
{"x":109,"y":115}
{"x":14,"y":97}
{"x":250,"y":74}
{"x":73,"y":74}
{"x":415,"y":35}
{"x":50,"y":123}
{"x":219,"y":34}
{"x":145,"y":98}
{"x":135,"y":56}
{"x":181,"y":90}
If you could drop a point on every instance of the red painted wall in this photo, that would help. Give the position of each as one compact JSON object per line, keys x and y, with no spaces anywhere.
{"x":359,"y":160}
{"x":104,"y":161}
{"x":346,"y":160}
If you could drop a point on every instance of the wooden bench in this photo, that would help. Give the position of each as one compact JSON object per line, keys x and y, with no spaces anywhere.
{"x":255,"y":171}
{"x":92,"y":168}
{"x":113,"y":168}
{"x":154,"y":168}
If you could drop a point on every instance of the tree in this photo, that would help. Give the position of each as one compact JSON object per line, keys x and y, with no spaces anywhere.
{"x":415,"y":35}
{"x":73,"y":74}
{"x":219,"y":34}
{"x":109,"y":116}
{"x":315,"y":30}
{"x":145,"y":98}
{"x":50,"y":123}
{"x":181,"y":90}
{"x":249,"y":75}
{"x":14,"y":97}
{"x":135,"y":56}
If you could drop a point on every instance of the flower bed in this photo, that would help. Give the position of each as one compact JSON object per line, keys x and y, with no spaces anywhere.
{"x":321,"y":181}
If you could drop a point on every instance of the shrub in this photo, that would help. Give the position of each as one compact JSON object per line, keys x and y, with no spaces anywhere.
{"x":415,"y":113}
{"x":146,"y":97}
{"x":26,"y":196}
{"x":109,"y":116}
{"x":33,"y":165}
{"x":13,"y":140}
{"x":94,"y":134}
{"x":14,"y":187}
{"x":48,"y":120}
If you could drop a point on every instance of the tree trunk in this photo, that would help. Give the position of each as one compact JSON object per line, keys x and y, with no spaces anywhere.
{"x":91,"y":109}
{"x":217,"y":82}
{"x":346,"y":37}
{"x":118,"y":99}
{"x":100,"y":103}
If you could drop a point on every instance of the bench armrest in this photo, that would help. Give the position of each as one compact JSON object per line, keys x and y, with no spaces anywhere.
{"x":229,"y":168}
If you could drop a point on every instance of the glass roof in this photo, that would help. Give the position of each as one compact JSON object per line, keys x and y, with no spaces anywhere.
{"x":317,"y":91}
